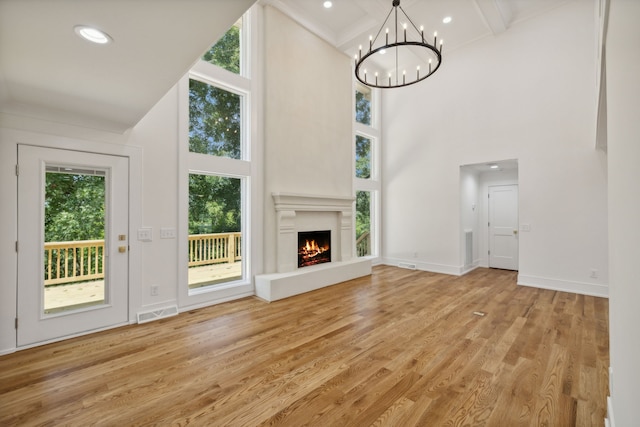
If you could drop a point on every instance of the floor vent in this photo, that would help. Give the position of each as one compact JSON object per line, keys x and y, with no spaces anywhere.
{"x":148,"y":316}
{"x":407,"y":265}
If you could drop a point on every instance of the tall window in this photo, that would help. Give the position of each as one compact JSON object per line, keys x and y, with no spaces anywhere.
{"x":215,"y":120}
{"x":215,"y":230}
{"x":217,"y":172}
{"x":363,"y":105}
{"x":227,"y":52}
{"x":366,"y":170}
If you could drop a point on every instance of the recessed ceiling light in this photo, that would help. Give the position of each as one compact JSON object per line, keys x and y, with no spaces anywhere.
{"x":493,"y":166}
{"x":446,"y":20}
{"x":327,"y":4}
{"x":92,"y":34}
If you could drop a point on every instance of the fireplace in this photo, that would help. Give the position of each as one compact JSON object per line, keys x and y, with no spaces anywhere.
{"x":314,"y":247}
{"x":296,"y":215}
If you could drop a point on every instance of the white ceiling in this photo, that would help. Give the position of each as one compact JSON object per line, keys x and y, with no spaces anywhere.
{"x":349,"y":23}
{"x":48,"y":72}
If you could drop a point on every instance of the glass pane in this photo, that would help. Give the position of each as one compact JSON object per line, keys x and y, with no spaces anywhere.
{"x":215,"y":121}
{"x":74,"y":224}
{"x":363,"y":105}
{"x":363,"y":157}
{"x":215,"y":234}
{"x":363,"y":223}
{"x":226,"y":52}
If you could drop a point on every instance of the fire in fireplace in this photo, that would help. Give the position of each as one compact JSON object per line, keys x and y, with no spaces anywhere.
{"x":314,"y":247}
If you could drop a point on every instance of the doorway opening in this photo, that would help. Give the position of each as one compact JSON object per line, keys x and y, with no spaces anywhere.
{"x":489,"y":231}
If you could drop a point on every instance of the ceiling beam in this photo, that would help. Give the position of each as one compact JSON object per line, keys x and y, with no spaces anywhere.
{"x":492,"y":14}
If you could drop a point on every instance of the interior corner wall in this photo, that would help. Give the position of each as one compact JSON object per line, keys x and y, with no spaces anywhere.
{"x":623,"y":146}
{"x":308,"y":118}
{"x":527,"y":94}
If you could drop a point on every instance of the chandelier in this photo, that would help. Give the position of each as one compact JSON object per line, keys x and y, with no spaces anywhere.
{"x":380,"y":65}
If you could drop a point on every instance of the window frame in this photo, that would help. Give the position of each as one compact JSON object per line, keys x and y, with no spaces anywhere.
{"x":205,"y":164}
{"x":373,"y":183}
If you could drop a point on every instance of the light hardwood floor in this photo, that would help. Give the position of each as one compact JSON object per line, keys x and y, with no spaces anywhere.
{"x":398,"y":348}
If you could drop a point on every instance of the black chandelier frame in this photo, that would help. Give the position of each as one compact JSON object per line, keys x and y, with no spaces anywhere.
{"x":360,"y":59}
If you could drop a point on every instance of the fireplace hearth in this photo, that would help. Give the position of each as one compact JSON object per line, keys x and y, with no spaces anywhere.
{"x":314,"y":247}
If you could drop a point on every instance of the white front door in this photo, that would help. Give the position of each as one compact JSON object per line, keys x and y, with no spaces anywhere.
{"x":503,"y":227}
{"x":72,"y":243}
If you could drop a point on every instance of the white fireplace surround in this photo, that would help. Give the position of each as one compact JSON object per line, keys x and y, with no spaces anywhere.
{"x":298,"y":212}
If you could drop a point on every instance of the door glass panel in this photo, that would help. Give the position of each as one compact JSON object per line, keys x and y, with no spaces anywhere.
{"x":74,"y":230}
{"x":215,"y":233}
{"x":363,"y":223}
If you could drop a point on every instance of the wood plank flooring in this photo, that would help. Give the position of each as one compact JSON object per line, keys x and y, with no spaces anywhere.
{"x":398,"y":348}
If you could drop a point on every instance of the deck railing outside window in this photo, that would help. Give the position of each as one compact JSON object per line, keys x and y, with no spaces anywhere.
{"x":83,"y":260}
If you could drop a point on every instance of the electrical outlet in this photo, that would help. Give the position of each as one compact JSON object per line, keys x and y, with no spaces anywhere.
{"x":594,"y":273}
{"x":155,"y":290}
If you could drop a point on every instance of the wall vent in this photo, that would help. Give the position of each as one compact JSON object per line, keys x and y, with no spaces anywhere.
{"x":148,"y":316}
{"x":468,"y":248}
{"x":407,"y":265}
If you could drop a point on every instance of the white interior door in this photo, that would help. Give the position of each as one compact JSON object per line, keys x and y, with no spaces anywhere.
{"x":72,"y":243}
{"x":503,"y":227}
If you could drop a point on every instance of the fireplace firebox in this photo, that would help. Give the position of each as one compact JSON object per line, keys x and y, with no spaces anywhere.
{"x":314,"y":247}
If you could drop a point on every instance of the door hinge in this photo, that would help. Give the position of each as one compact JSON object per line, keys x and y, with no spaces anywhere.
{"x":488,"y":224}
{"x":16,"y":246}
{"x":17,"y":170}
{"x":16,"y":323}
{"x":489,"y":252}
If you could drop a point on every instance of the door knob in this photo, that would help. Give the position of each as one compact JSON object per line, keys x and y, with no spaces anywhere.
{"x":515,"y":231}
{"x":122,"y":249}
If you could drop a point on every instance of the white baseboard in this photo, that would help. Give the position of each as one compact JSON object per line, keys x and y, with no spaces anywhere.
{"x":454,"y":270}
{"x":564,"y":285}
{"x":610,"y":420}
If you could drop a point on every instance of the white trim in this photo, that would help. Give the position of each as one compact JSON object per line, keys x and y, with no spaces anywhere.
{"x":236,"y":295}
{"x":244,"y":168}
{"x":591,"y":289}
{"x":610,"y":420}
{"x":453,"y":270}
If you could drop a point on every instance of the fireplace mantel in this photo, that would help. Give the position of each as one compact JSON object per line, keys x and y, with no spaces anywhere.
{"x":301,"y":202}
{"x":301,"y":212}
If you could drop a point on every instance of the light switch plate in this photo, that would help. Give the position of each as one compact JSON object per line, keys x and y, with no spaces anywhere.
{"x":167,"y":233}
{"x":145,"y":234}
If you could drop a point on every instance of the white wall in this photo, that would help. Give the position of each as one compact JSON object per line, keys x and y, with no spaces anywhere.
{"x":527,"y":94}
{"x":308,"y":118}
{"x":623,"y":141}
